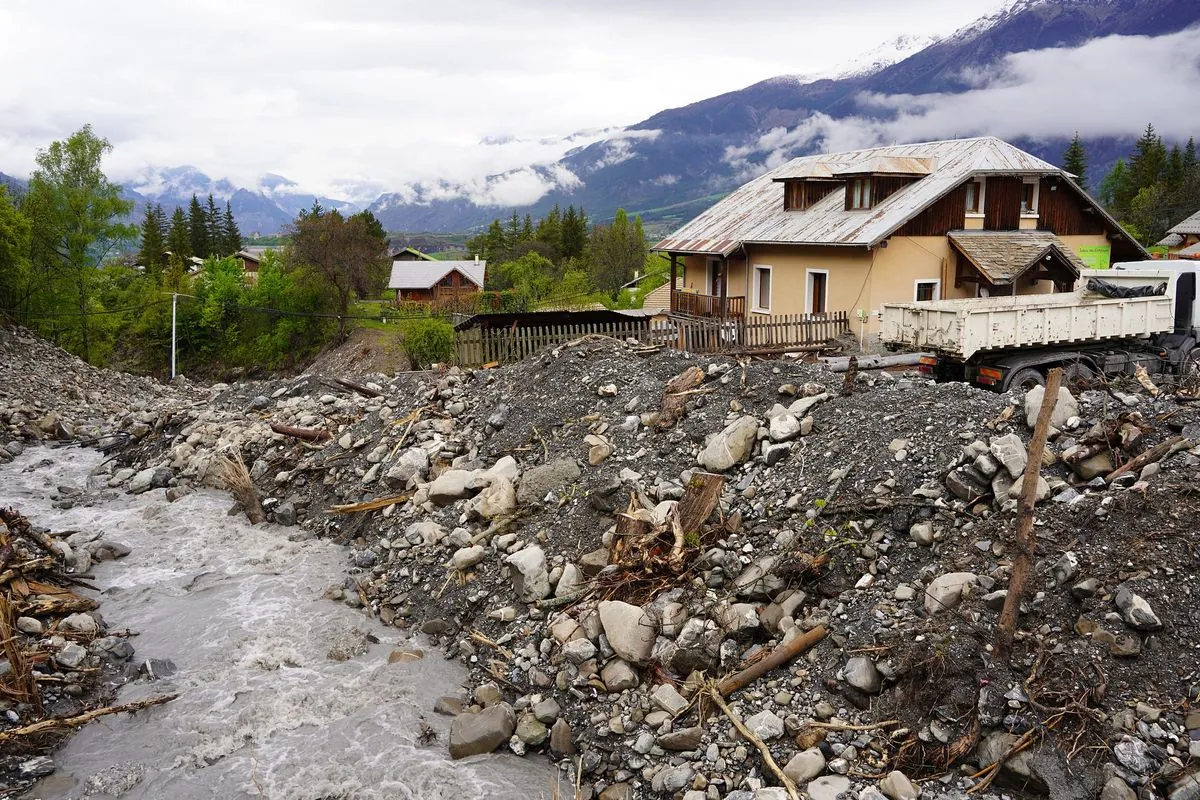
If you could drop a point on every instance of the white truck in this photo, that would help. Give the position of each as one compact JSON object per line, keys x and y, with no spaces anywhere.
{"x":1006,"y":342}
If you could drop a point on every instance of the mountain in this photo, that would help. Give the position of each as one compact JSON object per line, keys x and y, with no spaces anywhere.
{"x":265,"y":208}
{"x":15,"y":185}
{"x":677,"y":162}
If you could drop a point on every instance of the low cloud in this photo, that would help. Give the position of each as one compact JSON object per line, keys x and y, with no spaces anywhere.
{"x":1108,"y":87}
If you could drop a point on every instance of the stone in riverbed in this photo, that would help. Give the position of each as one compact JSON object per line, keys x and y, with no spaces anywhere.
{"x":527,"y":568}
{"x":466,"y":557}
{"x":681,"y":740}
{"x":629,"y":629}
{"x":36,"y":767}
{"x":531,"y":731}
{"x":765,"y":725}
{"x":451,"y":485}
{"x":476,"y":734}
{"x":945,"y":592}
{"x":805,"y":765}
{"x":562,"y":739}
{"x":70,"y":656}
{"x":731,"y":446}
{"x":1137,"y":612}
{"x":828,"y":787}
{"x":862,"y":674}
{"x":897,"y":786}
{"x":540,"y":481}
{"x":618,"y":676}
{"x":1066,"y":407}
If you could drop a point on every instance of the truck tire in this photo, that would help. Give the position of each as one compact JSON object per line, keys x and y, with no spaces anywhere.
{"x":1078,"y":374}
{"x":1024,"y":379}
{"x":1189,"y":370}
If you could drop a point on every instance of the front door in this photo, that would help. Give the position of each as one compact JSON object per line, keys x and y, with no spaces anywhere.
{"x":820,"y":281}
{"x":716,"y":276}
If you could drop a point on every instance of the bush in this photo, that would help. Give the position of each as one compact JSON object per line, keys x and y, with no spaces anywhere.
{"x":428,"y":341}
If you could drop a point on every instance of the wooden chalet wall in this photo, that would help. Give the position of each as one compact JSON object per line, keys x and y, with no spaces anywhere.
{"x":945,"y":215}
{"x":799,"y":195}
{"x":884,"y":186}
{"x":1002,"y":203}
{"x":1062,"y":211}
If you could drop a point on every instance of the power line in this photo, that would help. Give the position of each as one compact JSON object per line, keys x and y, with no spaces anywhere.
{"x":77,"y":314}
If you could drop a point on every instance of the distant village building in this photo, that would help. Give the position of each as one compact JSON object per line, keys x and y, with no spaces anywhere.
{"x":427,"y":280}
{"x":848,"y":232}
{"x":250,"y":258}
{"x":1183,"y":240}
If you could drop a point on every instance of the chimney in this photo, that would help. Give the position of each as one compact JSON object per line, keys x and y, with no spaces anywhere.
{"x":477,"y":258}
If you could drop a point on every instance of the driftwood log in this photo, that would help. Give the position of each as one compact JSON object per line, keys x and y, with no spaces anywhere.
{"x":305,"y":434}
{"x":1006,"y":629}
{"x":1156,"y":453}
{"x":777,"y":658}
{"x":842,"y":363}
{"x":59,"y":723}
{"x":354,"y":386}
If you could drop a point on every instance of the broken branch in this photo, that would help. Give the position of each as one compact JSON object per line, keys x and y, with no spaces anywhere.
{"x":58,"y":723}
{"x":304,"y":434}
{"x":778,"y":657}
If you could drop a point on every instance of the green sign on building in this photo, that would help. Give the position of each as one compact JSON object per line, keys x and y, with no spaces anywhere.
{"x":1096,"y":256}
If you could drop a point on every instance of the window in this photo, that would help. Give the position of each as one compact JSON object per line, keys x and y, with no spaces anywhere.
{"x":975,"y":197}
{"x":1029,"y":197}
{"x":927,"y":290}
{"x":860,"y":193}
{"x":762,"y":289}
{"x":818,"y":291}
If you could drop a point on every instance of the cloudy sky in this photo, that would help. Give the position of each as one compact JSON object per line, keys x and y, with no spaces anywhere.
{"x":370,"y":93}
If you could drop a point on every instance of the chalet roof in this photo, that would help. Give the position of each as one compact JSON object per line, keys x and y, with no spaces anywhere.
{"x":1191,"y":226}
{"x":424,"y":274}
{"x":1004,"y":256}
{"x":1190,"y":252}
{"x":412,"y":251}
{"x":246,"y":254}
{"x":659,"y":298}
{"x":1170,"y":240}
{"x":754,"y":213}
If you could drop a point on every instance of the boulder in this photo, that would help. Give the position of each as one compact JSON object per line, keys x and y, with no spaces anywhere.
{"x":805,"y":765}
{"x":766,"y":725}
{"x":499,"y":499}
{"x":946,"y":591}
{"x":562,"y":738}
{"x":862,"y":674}
{"x":1064,"y":409}
{"x":141,"y":481}
{"x":527,"y":568}
{"x":629,"y":629}
{"x":1093,"y":467}
{"x":828,"y":787}
{"x":541,"y":481}
{"x":897,"y":786}
{"x":412,"y":463}
{"x":451,"y":485}
{"x":1136,"y":611}
{"x":731,"y":446}
{"x":466,"y":557}
{"x":618,"y":676}
{"x":476,"y":734}
{"x":1009,"y":450}
{"x":784,"y":427}
{"x":682,"y":739}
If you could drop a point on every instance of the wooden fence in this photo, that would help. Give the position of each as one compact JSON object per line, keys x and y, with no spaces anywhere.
{"x":477,"y":346}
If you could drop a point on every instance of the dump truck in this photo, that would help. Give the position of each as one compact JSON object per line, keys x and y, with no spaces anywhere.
{"x":1136,"y":314}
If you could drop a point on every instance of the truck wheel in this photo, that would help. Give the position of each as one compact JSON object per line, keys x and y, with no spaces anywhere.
{"x":1025,"y":379}
{"x":1078,"y":374}
{"x":1189,"y":371}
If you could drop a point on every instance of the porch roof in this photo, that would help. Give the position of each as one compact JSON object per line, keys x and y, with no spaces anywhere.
{"x":1004,"y":256}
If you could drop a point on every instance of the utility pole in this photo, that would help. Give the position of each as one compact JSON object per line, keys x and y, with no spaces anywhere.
{"x":174,"y":304}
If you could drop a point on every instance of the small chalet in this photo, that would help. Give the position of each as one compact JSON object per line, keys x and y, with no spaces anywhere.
{"x":250,"y":258}
{"x":408,"y":254}
{"x":433,"y":281}
{"x":852,"y":231}
{"x":1183,"y":240}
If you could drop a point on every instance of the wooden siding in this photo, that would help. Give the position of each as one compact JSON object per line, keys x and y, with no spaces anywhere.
{"x":799,"y":195}
{"x":1062,"y":212}
{"x":1002,"y":204}
{"x":943,"y":216}
{"x":884,"y":186}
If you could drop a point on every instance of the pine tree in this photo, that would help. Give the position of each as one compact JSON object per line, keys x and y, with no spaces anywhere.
{"x":527,"y":229}
{"x":549,"y":232}
{"x":1189,"y":156}
{"x":1075,"y":160}
{"x":152,"y":255}
{"x":231,"y":236}
{"x":574,"y":233}
{"x":179,"y":236}
{"x":216,"y":228}
{"x":1147,"y":165}
{"x":198,"y":229}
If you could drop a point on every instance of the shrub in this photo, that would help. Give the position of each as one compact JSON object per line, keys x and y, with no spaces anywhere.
{"x":428,"y":341}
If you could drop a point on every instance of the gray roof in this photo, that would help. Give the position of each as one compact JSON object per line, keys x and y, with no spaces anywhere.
{"x":1004,"y":256}
{"x":424,"y":274}
{"x":1190,"y":252}
{"x":1191,"y":225}
{"x":1170,"y":240}
{"x":754,"y":213}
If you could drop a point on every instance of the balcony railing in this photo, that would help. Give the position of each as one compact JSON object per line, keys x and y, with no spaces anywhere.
{"x":707,"y":305}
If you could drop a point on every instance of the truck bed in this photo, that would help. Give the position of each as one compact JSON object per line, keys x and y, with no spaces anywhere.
{"x":962,"y":328}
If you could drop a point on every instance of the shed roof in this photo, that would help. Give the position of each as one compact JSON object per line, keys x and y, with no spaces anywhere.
{"x":1190,"y":252}
{"x":1004,"y":256}
{"x":754,"y":213}
{"x":424,"y":274}
{"x":1191,"y":225}
{"x":1170,"y":240}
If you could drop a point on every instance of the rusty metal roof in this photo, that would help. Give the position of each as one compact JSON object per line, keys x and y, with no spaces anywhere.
{"x":1004,"y":256}
{"x":754,"y":213}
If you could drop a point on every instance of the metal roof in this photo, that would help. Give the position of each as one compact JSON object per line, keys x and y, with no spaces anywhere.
{"x":1191,"y":225}
{"x":1004,"y":256}
{"x":754,"y":213}
{"x":424,"y":274}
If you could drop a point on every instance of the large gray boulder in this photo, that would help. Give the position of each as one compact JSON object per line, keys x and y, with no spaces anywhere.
{"x":945,"y":592}
{"x":1010,"y":451}
{"x":731,"y":446}
{"x":451,"y":485}
{"x":1066,"y":407}
{"x":1137,"y":612}
{"x":540,"y":481}
{"x":527,"y":568}
{"x":630,"y":630}
{"x":476,"y":734}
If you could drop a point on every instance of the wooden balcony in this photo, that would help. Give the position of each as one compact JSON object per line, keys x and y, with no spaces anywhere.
{"x":706,"y":305}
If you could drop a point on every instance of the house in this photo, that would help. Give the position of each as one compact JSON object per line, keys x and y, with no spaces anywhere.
{"x":852,"y":231}
{"x":408,"y":254}
{"x":250,"y":258}
{"x":433,"y":281}
{"x":1183,"y":240}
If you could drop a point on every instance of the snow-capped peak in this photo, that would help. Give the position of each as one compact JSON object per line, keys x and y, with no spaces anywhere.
{"x":877,"y":58}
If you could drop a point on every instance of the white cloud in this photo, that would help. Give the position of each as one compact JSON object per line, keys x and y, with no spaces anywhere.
{"x":1108,"y":87}
{"x":365,"y":94}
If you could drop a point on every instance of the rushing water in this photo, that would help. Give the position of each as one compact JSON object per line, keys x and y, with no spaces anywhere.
{"x":263,"y":711}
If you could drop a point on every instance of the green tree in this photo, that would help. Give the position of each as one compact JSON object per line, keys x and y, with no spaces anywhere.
{"x":152,"y":254}
{"x":1115,"y":185}
{"x":75,"y":213}
{"x":15,"y":273}
{"x":574,"y":237}
{"x":216,"y":229}
{"x":179,"y":237}
{"x":198,"y":229}
{"x":1147,"y":165}
{"x":549,"y":232}
{"x":527,"y":228}
{"x":1075,"y":160}
{"x":615,"y":251}
{"x":230,"y":235}
{"x":346,"y":255}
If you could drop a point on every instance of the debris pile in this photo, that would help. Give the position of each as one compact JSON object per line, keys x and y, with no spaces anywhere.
{"x":608,"y":538}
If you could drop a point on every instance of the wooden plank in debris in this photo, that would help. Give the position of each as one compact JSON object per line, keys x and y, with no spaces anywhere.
{"x":306,"y":434}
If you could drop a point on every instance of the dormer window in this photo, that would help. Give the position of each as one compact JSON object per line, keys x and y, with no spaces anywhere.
{"x":798,"y":195}
{"x":1029,"y":197}
{"x":975,"y":197}
{"x":859,"y":190}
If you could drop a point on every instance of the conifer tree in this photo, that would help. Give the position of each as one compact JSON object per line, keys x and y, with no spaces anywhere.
{"x":527,"y":229}
{"x":231,"y":236}
{"x":1075,"y":161}
{"x":198,"y":229}
{"x":179,"y":236}
{"x":216,"y":229}
{"x":152,"y":254}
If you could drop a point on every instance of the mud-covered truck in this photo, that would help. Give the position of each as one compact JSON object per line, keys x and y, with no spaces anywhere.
{"x":1115,"y":321}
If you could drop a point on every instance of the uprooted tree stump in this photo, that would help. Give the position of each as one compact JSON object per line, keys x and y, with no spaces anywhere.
{"x":675,"y":395}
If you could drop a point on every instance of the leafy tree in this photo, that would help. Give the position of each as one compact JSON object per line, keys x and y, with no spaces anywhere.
{"x":428,"y":341}
{"x":1114,"y":185}
{"x":198,"y":229}
{"x":75,"y":213}
{"x":346,"y":255}
{"x":152,"y":254}
{"x":1075,"y":160}
{"x":230,"y":235}
{"x":615,"y":251}
{"x":15,"y":273}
